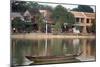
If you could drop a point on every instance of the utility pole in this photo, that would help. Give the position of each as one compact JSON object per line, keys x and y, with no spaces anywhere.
{"x":46,"y":28}
{"x":46,"y":34}
{"x":46,"y":25}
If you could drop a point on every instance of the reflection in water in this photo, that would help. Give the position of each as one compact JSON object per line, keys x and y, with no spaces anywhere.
{"x":88,"y":48}
{"x":52,"y":47}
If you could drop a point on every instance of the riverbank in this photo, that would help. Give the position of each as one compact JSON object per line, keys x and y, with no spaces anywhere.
{"x":44,"y":36}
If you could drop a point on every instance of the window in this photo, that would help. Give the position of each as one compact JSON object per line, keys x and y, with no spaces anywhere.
{"x":82,"y":20}
{"x":26,"y":18}
{"x":87,"y":21}
{"x":77,"y":19}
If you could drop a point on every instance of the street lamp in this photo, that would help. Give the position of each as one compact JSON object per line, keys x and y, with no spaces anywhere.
{"x":45,"y":18}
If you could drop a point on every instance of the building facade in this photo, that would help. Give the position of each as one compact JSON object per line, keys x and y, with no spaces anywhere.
{"x":83,"y":20}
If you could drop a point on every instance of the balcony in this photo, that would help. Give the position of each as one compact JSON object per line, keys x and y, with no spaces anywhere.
{"x":82,"y":24}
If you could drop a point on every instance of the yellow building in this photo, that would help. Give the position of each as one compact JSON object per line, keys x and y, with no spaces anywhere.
{"x":83,"y":19}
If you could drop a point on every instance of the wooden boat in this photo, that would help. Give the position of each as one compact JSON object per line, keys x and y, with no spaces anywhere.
{"x":52,"y":58}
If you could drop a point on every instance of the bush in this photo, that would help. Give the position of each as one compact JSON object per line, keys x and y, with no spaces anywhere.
{"x":18,"y":24}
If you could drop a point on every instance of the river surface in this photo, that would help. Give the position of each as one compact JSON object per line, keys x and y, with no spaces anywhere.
{"x":52,"y":47}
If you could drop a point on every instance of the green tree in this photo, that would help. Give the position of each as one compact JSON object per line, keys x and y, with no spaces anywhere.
{"x":83,"y":8}
{"x":18,"y":24}
{"x":22,"y":6}
{"x":93,"y":27}
{"x":45,"y":7}
{"x":60,"y":15}
{"x":19,"y":6}
{"x":57,"y":28}
{"x":75,"y":9}
{"x":39,"y":21}
{"x":28,"y":26}
{"x":32,"y":5}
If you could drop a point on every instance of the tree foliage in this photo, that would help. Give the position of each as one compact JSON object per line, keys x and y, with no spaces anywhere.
{"x":93,"y":28}
{"x":61,"y":15}
{"x":22,"y":6}
{"x":19,"y":6}
{"x":32,"y":5}
{"x":39,"y":21}
{"x":83,"y":8}
{"x":75,"y":9}
{"x":18,"y":23}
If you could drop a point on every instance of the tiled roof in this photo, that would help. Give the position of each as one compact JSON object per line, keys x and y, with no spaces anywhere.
{"x":78,"y":14}
{"x":15,"y":14}
{"x":83,"y":14}
{"x":31,"y":12}
{"x":90,"y":15}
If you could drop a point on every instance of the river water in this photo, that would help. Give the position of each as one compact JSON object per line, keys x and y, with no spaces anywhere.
{"x":52,"y":47}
